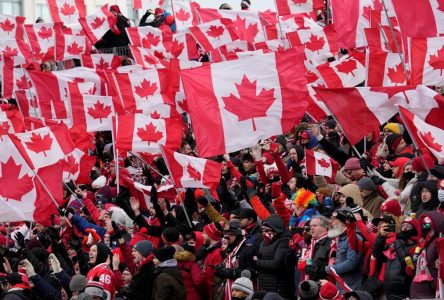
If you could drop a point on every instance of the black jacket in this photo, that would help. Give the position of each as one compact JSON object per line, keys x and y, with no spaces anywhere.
{"x":141,"y":286}
{"x":320,"y":259}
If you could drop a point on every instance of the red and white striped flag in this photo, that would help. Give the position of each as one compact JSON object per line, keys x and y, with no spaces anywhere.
{"x":99,"y":23}
{"x":66,"y":11}
{"x":214,"y":34}
{"x":384,"y":69}
{"x":184,"y":46}
{"x":101,"y":61}
{"x":346,"y":72}
{"x":27,"y":101}
{"x":150,"y":37}
{"x":17,"y":49}
{"x":140,"y":133}
{"x":289,"y":7}
{"x":320,"y":164}
{"x":382,"y":39}
{"x":44,"y":146}
{"x":192,"y":172}
{"x":77,"y":166}
{"x":427,"y":60}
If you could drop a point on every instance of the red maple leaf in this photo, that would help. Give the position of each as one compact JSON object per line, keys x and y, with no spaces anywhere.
{"x":102,"y":64}
{"x":155,"y":115}
{"x":9,"y":51}
{"x":11,"y":185}
{"x":45,"y":32}
{"x":71,"y":166}
{"x":315,"y":43}
{"x":324,"y":163}
{"x":249,"y":104}
{"x":193,"y":173}
{"x":22,"y":83}
{"x":145,"y":89}
{"x":159,"y":54}
{"x":182,"y":15}
{"x":440,"y":5}
{"x":429,"y":140}
{"x":150,"y":59}
{"x":39,"y":144}
{"x":215,"y":31}
{"x":150,"y":40}
{"x":99,"y":111}
{"x":67,"y":9}
{"x":149,"y":134}
{"x":248,"y":33}
{"x":74,"y":49}
{"x":4,"y":128}
{"x":97,"y":22}
{"x":347,"y":66}
{"x":93,"y":90}
{"x":366,"y":11}
{"x":396,"y":74}
{"x":298,"y":2}
{"x":7,"y":25}
{"x":177,"y":48}
{"x":437,"y":61}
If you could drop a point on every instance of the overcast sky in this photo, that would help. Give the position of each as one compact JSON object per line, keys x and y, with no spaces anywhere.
{"x":235,"y":4}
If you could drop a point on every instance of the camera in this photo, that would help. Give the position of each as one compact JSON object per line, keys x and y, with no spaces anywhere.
{"x":390,"y":228}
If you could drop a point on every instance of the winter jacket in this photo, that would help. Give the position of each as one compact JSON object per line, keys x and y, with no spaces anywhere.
{"x":321,"y":254}
{"x":348,"y":263}
{"x":372,"y":203}
{"x":254,"y":237}
{"x":212,"y":260}
{"x":168,"y":284}
{"x":82,"y":224}
{"x":193,"y":276}
{"x":274,"y":275}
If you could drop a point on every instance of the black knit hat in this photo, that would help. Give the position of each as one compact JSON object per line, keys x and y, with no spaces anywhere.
{"x":165,"y":253}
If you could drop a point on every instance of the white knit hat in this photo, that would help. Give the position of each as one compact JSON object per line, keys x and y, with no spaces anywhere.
{"x":243,"y":284}
{"x":99,"y":182}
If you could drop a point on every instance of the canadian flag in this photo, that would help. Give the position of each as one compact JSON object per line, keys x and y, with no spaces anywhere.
{"x":384,"y":69}
{"x":93,"y":112}
{"x":98,"y":24}
{"x":192,"y":172}
{"x":290,"y":23}
{"x":101,"y":61}
{"x":70,"y":46}
{"x":147,"y":58}
{"x":140,"y":133}
{"x":248,"y":105}
{"x":11,"y":119}
{"x":150,"y":38}
{"x":424,"y":134}
{"x":350,"y":18}
{"x":77,"y":166}
{"x":184,"y":13}
{"x":316,"y":108}
{"x":427,"y":60}
{"x":289,"y":7}
{"x":346,"y":72}
{"x":273,"y":45}
{"x":247,"y":24}
{"x":11,"y":27}
{"x":214,"y":34}
{"x":7,"y":72}
{"x":320,"y":164}
{"x":27,"y":101}
{"x":184,"y":46}
{"x":148,"y":91}
{"x":17,"y":49}
{"x":144,"y":5}
{"x":42,"y":38}
{"x":371,"y":107}
{"x":22,"y":196}
{"x":382,"y":39}
{"x":44,"y":146}
{"x":66,"y":11}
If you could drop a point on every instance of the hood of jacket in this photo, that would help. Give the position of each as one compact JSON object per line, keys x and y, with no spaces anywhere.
{"x":276,"y":223}
{"x":184,"y":256}
{"x":352,"y":190}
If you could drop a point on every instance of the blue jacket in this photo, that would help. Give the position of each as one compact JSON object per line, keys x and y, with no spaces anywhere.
{"x":348,"y":263}
{"x":300,"y":221}
{"x":82,"y":224}
{"x":172,"y":26}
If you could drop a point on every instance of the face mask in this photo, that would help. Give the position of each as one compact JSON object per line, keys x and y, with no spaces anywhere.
{"x":441,"y":195}
{"x":409,"y":175}
{"x":268,"y":236}
{"x":406,"y":234}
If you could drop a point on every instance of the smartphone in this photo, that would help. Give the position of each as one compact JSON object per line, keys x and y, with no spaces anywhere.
{"x":390,"y":228}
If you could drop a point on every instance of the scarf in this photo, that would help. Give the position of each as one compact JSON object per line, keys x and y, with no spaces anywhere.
{"x":231,"y":262}
{"x":309,"y":254}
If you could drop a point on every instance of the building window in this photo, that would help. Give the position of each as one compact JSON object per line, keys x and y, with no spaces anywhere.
{"x":11,"y":7}
{"x":42,"y":11}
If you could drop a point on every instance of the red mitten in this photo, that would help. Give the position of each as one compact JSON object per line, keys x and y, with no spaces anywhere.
{"x":276,"y":189}
{"x":294,"y":242}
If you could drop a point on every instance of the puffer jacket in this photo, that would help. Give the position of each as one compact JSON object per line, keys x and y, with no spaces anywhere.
{"x":274,"y":275}
{"x":168,"y":284}
{"x":192,"y":274}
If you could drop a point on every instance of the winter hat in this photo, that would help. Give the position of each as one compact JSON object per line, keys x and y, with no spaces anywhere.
{"x":78,"y":283}
{"x":234,"y":227}
{"x":103,"y":252}
{"x":248,"y":213}
{"x":393,"y":127}
{"x":386,"y":218}
{"x":171,"y":235}
{"x":115,"y":8}
{"x":99,"y":182}
{"x":104,"y":191}
{"x":352,"y":190}
{"x":165,"y":253}
{"x":158,"y":12}
{"x":95,"y":288}
{"x":308,"y":289}
{"x":352,"y":164}
{"x":225,"y":6}
{"x":330,"y":124}
{"x":414,"y":222}
{"x":144,"y":247}
{"x":391,"y":206}
{"x":341,"y":214}
{"x":329,"y":292}
{"x":214,"y":230}
{"x":304,"y":135}
{"x":243,"y":284}
{"x":366,"y":183}
{"x":393,"y":141}
{"x":84,"y":296}
{"x":400,"y":162}
{"x":272,"y":296}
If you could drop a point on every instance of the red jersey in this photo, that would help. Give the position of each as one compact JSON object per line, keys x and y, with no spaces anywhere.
{"x":105,"y":275}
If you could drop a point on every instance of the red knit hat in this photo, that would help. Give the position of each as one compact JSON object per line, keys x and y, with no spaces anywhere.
{"x":391,"y":206}
{"x":213,"y":231}
{"x":329,"y":292}
{"x":158,"y":12}
{"x":304,"y":135}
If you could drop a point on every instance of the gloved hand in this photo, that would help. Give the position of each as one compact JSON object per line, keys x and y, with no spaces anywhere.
{"x":54,"y":264}
{"x":20,"y":239}
{"x":309,"y":270}
{"x":294,"y":242}
{"x":248,"y":188}
{"x":223,"y":272}
{"x":29,"y":268}
{"x":365,"y":164}
{"x":276,"y":188}
{"x":202,"y":201}
{"x":63,"y":212}
{"x":377,"y":180}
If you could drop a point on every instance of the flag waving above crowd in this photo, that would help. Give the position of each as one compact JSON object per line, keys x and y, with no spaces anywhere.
{"x":197,"y":147}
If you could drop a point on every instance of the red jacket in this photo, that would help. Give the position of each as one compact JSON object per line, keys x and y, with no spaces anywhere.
{"x":193,"y":275}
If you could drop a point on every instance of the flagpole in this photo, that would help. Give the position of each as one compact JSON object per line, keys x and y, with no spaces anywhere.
{"x":168,"y":180}
{"x":396,"y":43}
{"x":415,"y":144}
{"x":116,"y":153}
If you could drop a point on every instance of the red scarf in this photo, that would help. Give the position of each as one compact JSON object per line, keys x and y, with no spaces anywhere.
{"x":231,"y":262}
